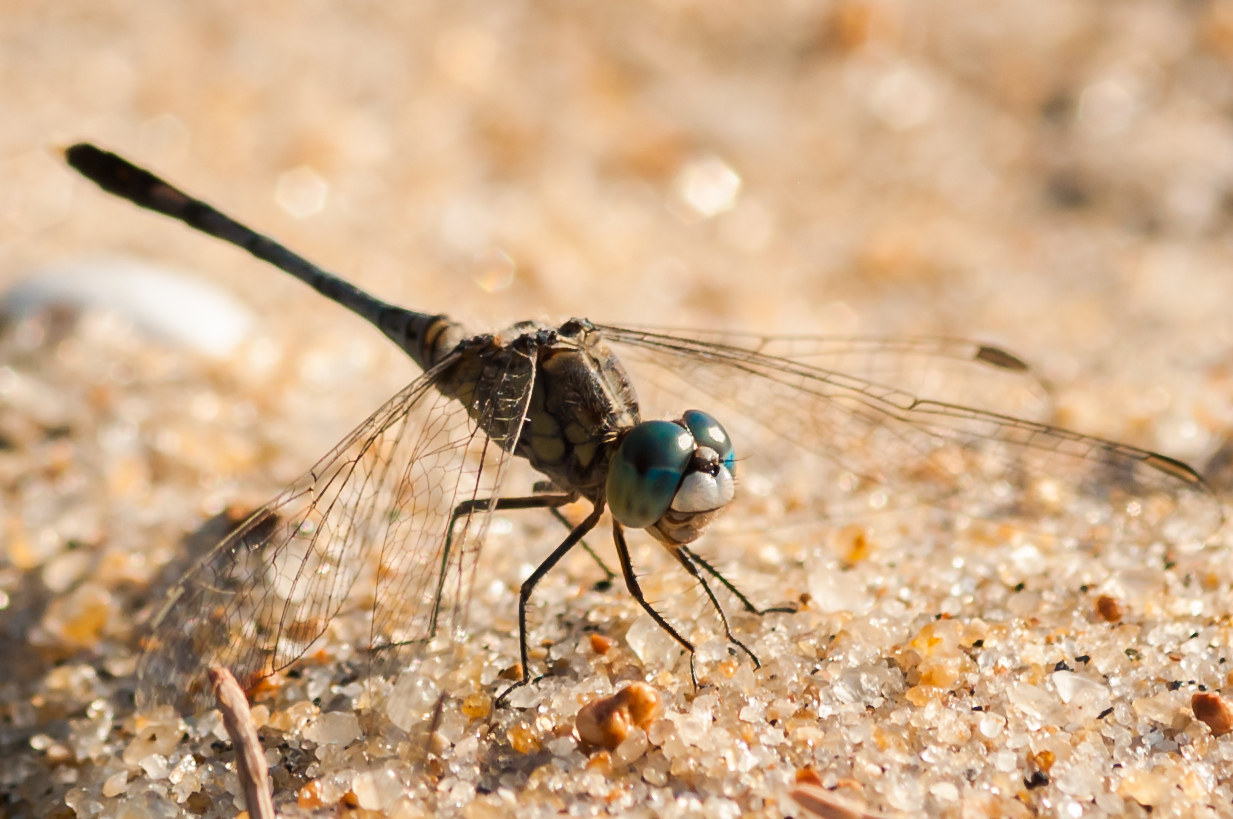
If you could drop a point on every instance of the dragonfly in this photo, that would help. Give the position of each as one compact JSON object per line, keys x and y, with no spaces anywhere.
{"x":795,"y":430}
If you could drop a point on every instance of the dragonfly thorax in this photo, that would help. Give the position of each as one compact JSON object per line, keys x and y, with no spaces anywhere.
{"x":581,"y":401}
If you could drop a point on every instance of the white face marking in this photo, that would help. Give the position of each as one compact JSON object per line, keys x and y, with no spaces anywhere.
{"x":700,"y":492}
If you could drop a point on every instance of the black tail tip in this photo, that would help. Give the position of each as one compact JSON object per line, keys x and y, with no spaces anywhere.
{"x":84,"y":157}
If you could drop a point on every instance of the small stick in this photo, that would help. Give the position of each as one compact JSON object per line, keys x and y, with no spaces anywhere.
{"x":435,"y":723}
{"x":250,"y":760}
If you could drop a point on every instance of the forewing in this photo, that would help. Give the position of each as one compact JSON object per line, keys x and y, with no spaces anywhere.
{"x":826,"y":442}
{"x":951,"y":370}
{"x":372,"y":514}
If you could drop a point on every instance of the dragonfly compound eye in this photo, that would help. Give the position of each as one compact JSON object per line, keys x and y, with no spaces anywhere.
{"x":646,"y":471}
{"x":710,"y":433}
{"x":685,"y":466}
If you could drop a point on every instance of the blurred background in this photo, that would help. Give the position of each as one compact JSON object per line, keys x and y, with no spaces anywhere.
{"x":1052,"y":176}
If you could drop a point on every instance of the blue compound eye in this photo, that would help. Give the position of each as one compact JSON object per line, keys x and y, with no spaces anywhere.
{"x":646,"y":470}
{"x":710,"y":433}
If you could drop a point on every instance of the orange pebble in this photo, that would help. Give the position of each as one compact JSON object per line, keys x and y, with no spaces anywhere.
{"x":808,"y":776}
{"x":600,"y":644}
{"x":607,"y":722}
{"x":1214,"y":711}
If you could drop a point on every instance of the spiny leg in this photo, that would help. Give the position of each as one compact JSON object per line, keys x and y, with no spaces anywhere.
{"x":631,"y":583}
{"x":685,"y":558}
{"x":728,"y":584}
{"x":604,"y":584}
{"x":479,"y":505}
{"x":528,"y":586}
{"x":609,"y":575}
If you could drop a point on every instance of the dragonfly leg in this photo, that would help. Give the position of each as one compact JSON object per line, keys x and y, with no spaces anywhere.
{"x":479,"y":505}
{"x":528,"y":586}
{"x":788,"y":608}
{"x":686,"y":558}
{"x":609,"y":575}
{"x":631,"y":583}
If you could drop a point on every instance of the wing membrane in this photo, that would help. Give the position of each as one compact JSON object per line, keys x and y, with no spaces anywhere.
{"x":373,"y":513}
{"x":850,"y":444}
{"x":953,"y":370}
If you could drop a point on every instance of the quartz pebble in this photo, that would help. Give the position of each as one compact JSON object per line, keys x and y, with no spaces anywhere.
{"x":334,"y":728}
{"x":115,"y":785}
{"x":167,"y":304}
{"x":1147,"y":788}
{"x":158,"y":733}
{"x":377,"y":790}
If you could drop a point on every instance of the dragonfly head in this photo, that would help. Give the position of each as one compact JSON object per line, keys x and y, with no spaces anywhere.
{"x":672,"y":478}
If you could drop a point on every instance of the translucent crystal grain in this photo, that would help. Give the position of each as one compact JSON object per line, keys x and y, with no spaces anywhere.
{"x":945,"y":791}
{"x":990,"y":725}
{"x":1033,"y":701}
{"x":156,"y":766}
{"x":1147,"y":788}
{"x":376,"y":790}
{"x":115,"y":785}
{"x":295,"y":717}
{"x":158,"y":733}
{"x":81,"y":803}
{"x":334,"y":728}
{"x":1078,"y":780}
{"x":653,"y":646}
{"x":1161,"y":707}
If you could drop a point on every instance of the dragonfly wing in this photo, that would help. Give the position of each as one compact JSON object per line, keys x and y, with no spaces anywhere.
{"x":819,"y":440}
{"x":373,"y":515}
{"x":953,"y":370}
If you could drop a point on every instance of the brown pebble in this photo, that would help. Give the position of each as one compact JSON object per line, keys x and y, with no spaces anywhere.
{"x":1214,"y":711}
{"x":198,"y":803}
{"x":1110,"y":609}
{"x":600,"y":644}
{"x":514,"y":672}
{"x":605,"y":723}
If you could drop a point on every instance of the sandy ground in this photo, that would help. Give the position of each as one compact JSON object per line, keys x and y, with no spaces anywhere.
{"x":1052,"y":177}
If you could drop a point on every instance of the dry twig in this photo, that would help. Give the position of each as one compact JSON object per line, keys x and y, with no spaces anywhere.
{"x":250,"y":760}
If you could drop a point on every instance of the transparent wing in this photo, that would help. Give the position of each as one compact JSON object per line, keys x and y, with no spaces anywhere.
{"x":952,"y":370}
{"x":826,"y":442}
{"x":368,"y":522}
